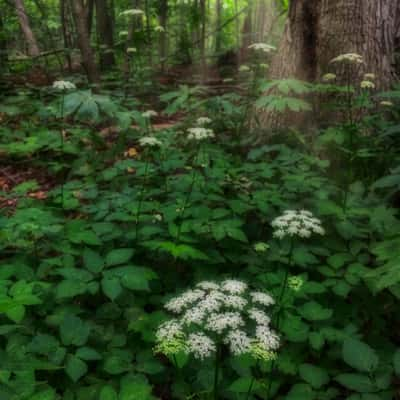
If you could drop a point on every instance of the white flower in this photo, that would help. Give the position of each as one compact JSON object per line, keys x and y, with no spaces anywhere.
{"x":369,"y":77}
{"x":203,"y":121}
{"x":177,"y":304}
{"x":367,"y":85}
{"x":244,"y":68}
{"x":213,"y":301}
{"x":266,"y":48}
{"x":131,"y":50}
{"x":200,"y":133}
{"x":301,"y":223}
{"x":233,"y":286}
{"x":159,"y":28}
{"x":260,"y":247}
{"x":267,"y":337}
{"x":208,"y":285}
{"x":63,"y":85}
{"x":238,"y":341}
{"x":262,"y":298}
{"x":218,"y":322}
{"x":195,"y":315}
{"x":329,"y":77}
{"x":169,"y":330}
{"x":149,"y":114}
{"x":386,"y":103}
{"x":351,"y":58}
{"x":131,"y":12}
{"x":200,"y":345}
{"x":259,"y":316}
{"x":123,"y":33}
{"x":235,"y":301}
{"x":149,"y":141}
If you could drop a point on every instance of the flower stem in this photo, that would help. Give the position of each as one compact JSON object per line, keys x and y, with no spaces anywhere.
{"x":216,"y":373}
{"x":139,"y":207}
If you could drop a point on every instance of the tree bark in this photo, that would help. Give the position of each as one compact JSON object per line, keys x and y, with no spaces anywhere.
{"x":105,"y":34}
{"x":3,"y":46}
{"x":319,"y":30}
{"x":33,"y":48}
{"x":163,"y":18}
{"x":80,"y":18}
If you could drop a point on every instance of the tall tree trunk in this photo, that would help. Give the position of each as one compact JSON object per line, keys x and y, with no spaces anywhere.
{"x":80,"y":18}
{"x":148,"y":31}
{"x":3,"y":46}
{"x":89,"y":9}
{"x":163,"y":18}
{"x":218,"y":33}
{"x":64,"y":14}
{"x":33,"y":48}
{"x":319,"y":30}
{"x":203,"y":38}
{"x":105,"y":34}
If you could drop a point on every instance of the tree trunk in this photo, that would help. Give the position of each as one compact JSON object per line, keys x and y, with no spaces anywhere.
{"x":163,"y":18}
{"x":3,"y":46}
{"x":33,"y":48}
{"x":319,"y":30}
{"x":80,"y":18}
{"x":66,"y":32}
{"x":105,"y":34}
{"x":218,"y":23}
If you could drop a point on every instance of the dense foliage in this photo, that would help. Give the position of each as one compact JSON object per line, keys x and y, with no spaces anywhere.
{"x":129,"y":222}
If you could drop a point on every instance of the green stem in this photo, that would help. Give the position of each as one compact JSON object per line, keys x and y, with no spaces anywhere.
{"x":216,"y":373}
{"x":62,"y":149}
{"x":141,"y":198}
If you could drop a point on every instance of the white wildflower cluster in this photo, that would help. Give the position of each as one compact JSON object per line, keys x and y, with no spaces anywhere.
{"x":150,"y":141}
{"x":215,"y":314}
{"x":329,"y":77}
{"x":367,"y":85}
{"x":349,"y":58}
{"x":244,"y":68}
{"x":63,"y":85}
{"x":132,"y":12}
{"x":159,"y":28}
{"x":386,"y":103}
{"x":131,"y":50}
{"x":123,"y":33}
{"x":297,"y":223}
{"x":200,"y":133}
{"x":266,"y":48}
{"x":149,"y":114}
{"x":203,"y":121}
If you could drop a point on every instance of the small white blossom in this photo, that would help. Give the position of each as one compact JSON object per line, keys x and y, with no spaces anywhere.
{"x":213,"y":301}
{"x":208,"y":285}
{"x":149,"y":114}
{"x":203,"y":121}
{"x":131,"y":50}
{"x":238,"y":341}
{"x":262,"y":298}
{"x":233,"y":286}
{"x":200,"y":345}
{"x":267,"y":337}
{"x":131,"y":12}
{"x":63,"y":85}
{"x":266,"y":48}
{"x":259,"y":316}
{"x":123,"y":33}
{"x":367,"y":85}
{"x":235,"y":301}
{"x":200,"y":133}
{"x":244,"y":68}
{"x":329,"y":77}
{"x":218,"y":322}
{"x":169,"y":330}
{"x":149,"y":141}
{"x":159,"y":28}
{"x":177,"y":304}
{"x":386,"y":103}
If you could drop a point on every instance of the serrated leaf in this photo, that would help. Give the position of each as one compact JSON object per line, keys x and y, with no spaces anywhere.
{"x":243,"y":384}
{"x":108,"y":393}
{"x":118,"y":257}
{"x":111,"y":287}
{"x":315,"y":376}
{"x":75,"y":368}
{"x":357,"y":382}
{"x":359,"y":355}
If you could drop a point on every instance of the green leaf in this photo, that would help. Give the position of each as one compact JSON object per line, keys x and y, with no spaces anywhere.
{"x":87,"y":353}
{"x":357,"y":382}
{"x":135,"y":387}
{"x":47,"y":394}
{"x":313,"y":311}
{"x":301,"y":391}
{"x":243,"y":384}
{"x":16,"y":313}
{"x":118,"y":256}
{"x":339,"y":260}
{"x":108,"y":393}
{"x":75,"y":368}
{"x":359,"y":355}
{"x":69,"y":288}
{"x":92,"y":260}
{"x":315,"y":376}
{"x":111,"y":287}
{"x":74,"y":331}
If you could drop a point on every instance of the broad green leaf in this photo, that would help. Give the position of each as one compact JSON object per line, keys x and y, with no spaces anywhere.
{"x":359,"y":355}
{"x":92,"y":260}
{"x":111,"y":287}
{"x":301,"y":391}
{"x":135,"y":387}
{"x":244,"y":384}
{"x":87,"y":353}
{"x":357,"y":382}
{"x":75,"y":368}
{"x":108,"y":393}
{"x":313,"y":311}
{"x":118,"y":256}
{"x":74,"y":331}
{"x":315,"y":376}
{"x":47,"y":394}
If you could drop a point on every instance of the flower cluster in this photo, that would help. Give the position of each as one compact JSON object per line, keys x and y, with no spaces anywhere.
{"x":214,"y":314}
{"x":244,"y":68}
{"x":150,"y":141}
{"x":349,"y":58}
{"x":203,"y":121}
{"x":63,"y":85}
{"x":367,"y":85}
{"x":131,"y":50}
{"x":386,"y":103}
{"x":149,"y":114}
{"x":200,"y":133}
{"x":131,"y":12}
{"x":297,"y":223}
{"x":329,"y":77}
{"x":266,"y":48}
